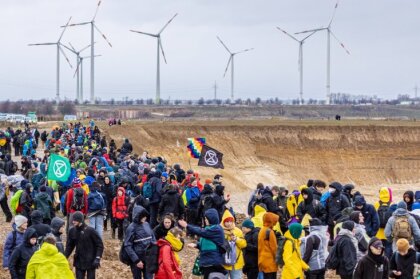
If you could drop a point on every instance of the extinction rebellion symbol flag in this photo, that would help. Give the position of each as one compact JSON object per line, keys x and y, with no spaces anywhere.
{"x":59,"y":168}
{"x":210,"y":157}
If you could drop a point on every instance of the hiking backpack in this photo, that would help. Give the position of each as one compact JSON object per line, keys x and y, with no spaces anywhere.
{"x":402,"y":228}
{"x":14,"y":202}
{"x":152,"y":258}
{"x":147,"y":190}
{"x":123,"y":255}
{"x":281,"y":242}
{"x":333,"y":260}
{"x":78,"y":202}
{"x":229,"y":257}
{"x":384,"y":213}
{"x":96,"y":201}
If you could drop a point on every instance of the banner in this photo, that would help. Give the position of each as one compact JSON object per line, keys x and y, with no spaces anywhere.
{"x":210,"y":157}
{"x":194,"y":147}
{"x":59,"y":168}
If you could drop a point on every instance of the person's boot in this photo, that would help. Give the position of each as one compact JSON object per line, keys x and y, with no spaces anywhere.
{"x":113,"y":234}
{"x":9,"y":219}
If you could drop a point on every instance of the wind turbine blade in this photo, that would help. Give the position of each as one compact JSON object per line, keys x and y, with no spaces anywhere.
{"x":294,"y":38}
{"x":311,"y":30}
{"x":161,"y":49}
{"x":77,"y":68}
{"x":71,"y":50}
{"x":308,"y":36}
{"x":86,"y":47}
{"x":72,"y":47}
{"x":227,"y":66}
{"x":144,"y":33}
{"x":65,"y":27}
{"x":245,"y":50}
{"x":220,"y":40}
{"x":42,"y":44}
{"x":88,"y":57}
{"x":103,"y":36}
{"x":65,"y":56}
{"x":97,"y":8}
{"x":334,"y":12}
{"x":77,"y":24}
{"x":341,"y":44}
{"x":163,"y":28}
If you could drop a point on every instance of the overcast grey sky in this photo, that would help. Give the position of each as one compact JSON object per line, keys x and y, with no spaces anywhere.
{"x":382,"y":35}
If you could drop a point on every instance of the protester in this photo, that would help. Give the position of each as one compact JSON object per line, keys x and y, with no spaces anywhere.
{"x":96,"y":208}
{"x":76,"y":200}
{"x":218,"y":199}
{"x":317,"y":188}
{"x":120,"y":211}
{"x":192,"y":198}
{"x":360,"y":234}
{"x":57,"y":229}
{"x":374,"y":264}
{"x":108,"y":189}
{"x":22,"y":254}
{"x":267,"y":247}
{"x":409,"y":199}
{"x":14,"y":238}
{"x":311,"y":207}
{"x":383,"y":207}
{"x":402,"y":260}
{"x":43,"y":203}
{"x":156,"y":184}
{"x":370,"y":216}
{"x":40,"y":228}
{"x":250,"y":232}
{"x":294,"y":266}
{"x":335,"y":203}
{"x":171,"y":203}
{"x":169,"y":247}
{"x":161,"y":230}
{"x":88,"y":245}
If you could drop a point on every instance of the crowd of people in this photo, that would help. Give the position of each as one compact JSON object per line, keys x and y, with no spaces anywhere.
{"x":154,"y":208}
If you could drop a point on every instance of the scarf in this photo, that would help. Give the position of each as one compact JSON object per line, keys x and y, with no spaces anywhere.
{"x":176,"y":244}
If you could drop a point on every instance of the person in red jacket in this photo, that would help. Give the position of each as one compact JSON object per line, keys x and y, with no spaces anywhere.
{"x":169,"y":263}
{"x":120,"y":211}
{"x":76,"y":200}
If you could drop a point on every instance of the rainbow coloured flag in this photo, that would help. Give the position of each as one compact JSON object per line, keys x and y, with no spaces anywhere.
{"x":194,"y":146}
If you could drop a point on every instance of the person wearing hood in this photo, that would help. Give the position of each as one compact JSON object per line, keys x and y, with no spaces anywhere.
{"x":408,"y":197}
{"x":360,"y":233}
{"x":310,"y":206}
{"x":89,"y":247}
{"x":250,"y":232}
{"x":76,"y":200}
{"x":313,"y":249}
{"x":383,"y":207}
{"x":282,"y":201}
{"x":138,"y":237}
{"x":345,"y":251}
{"x":108,"y":190}
{"x":371,"y":218}
{"x":44,"y":204}
{"x":341,"y":218}
{"x":192,"y":201}
{"x":169,"y":246}
{"x":402,"y":216}
{"x":120,"y":211}
{"x":26,"y":201}
{"x":260,"y":211}
{"x":347,"y":191}
{"x":235,"y":238}
{"x":403,"y":260}
{"x":317,"y":188}
{"x":416,"y":204}
{"x":294,"y":266}
{"x":37,"y":224}
{"x":267,"y":246}
{"x":205,"y":200}
{"x":171,"y":203}
{"x":47,"y":262}
{"x":22,"y":254}
{"x":156,"y":184}
{"x":375,"y":264}
{"x":211,"y":239}
{"x":14,"y":238}
{"x":268,"y":198}
{"x":254,"y":199}
{"x":126,"y":148}
{"x":161,"y":230}
{"x":57,"y":229}
{"x":218,"y":200}
{"x":96,"y":208}
{"x":334,"y":204}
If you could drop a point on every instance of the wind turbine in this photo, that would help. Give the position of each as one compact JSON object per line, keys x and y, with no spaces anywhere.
{"x":300,"y":60}
{"x":329,"y":33}
{"x":77,"y":53}
{"x":59,"y":49}
{"x":93,"y":26}
{"x":231,"y":60}
{"x":159,"y":49}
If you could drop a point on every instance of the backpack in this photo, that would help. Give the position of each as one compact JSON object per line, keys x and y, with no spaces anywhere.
{"x":96,"y":201}
{"x":229,"y":257}
{"x":384,"y":213}
{"x":147,"y":190}
{"x":14,"y":168}
{"x":402,"y":228}
{"x":14,"y":201}
{"x":78,"y":202}
{"x":123,"y":255}
{"x":281,"y":241}
{"x":333,"y":260}
{"x":152,"y":258}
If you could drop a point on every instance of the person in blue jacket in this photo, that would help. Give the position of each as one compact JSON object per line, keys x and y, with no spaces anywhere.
{"x":211,"y":239}
{"x":370,"y":215}
{"x":14,"y":238}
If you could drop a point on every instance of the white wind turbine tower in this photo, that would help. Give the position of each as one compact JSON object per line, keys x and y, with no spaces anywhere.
{"x":79,"y":96}
{"x":80,"y":68}
{"x":59,"y":49}
{"x":329,"y":33}
{"x":300,"y":60}
{"x":93,"y":26}
{"x":159,"y":49}
{"x":231,"y":60}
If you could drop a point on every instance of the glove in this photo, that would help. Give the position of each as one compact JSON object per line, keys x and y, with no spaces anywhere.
{"x":96,"y":263}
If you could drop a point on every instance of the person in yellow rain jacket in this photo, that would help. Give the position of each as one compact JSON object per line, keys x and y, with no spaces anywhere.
{"x":258,"y":218}
{"x":292,"y":203}
{"x":385,"y":200}
{"x":294,"y":266}
{"x":234,"y":235}
{"x":48,"y":263}
{"x":85,"y":187}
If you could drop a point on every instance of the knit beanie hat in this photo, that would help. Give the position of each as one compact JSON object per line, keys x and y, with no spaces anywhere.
{"x":20,"y":220}
{"x":248,"y":224}
{"x":208,"y":181}
{"x":402,"y":245}
{"x":78,"y":217}
{"x":348,"y":225}
{"x":402,"y":205}
{"x":295,"y":230}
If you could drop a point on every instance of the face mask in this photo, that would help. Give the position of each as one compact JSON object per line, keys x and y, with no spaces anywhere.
{"x":331,"y":190}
